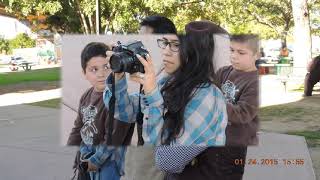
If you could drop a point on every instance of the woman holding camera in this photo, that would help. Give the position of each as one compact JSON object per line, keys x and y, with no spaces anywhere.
{"x":183,"y":107}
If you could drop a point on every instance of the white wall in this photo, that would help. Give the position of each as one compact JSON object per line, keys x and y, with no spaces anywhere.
{"x":10,"y":27}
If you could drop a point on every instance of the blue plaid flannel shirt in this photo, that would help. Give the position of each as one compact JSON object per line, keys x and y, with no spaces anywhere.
{"x":205,"y":115}
{"x":103,"y":153}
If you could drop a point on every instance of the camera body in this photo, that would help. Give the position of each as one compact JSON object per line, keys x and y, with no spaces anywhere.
{"x":124,"y":58}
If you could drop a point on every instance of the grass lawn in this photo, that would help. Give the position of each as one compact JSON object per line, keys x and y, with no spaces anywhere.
{"x":296,"y":118}
{"x":52,"y":103}
{"x":283,"y":112}
{"x":298,"y":89}
{"x":312,"y":137}
{"x":50,"y":74}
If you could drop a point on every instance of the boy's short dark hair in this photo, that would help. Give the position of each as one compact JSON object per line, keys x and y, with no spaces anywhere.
{"x":251,"y":39}
{"x":93,"y":49}
{"x":160,"y":25}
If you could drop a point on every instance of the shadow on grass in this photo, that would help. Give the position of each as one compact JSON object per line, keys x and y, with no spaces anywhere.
{"x":52,"y":103}
{"x":302,"y":110}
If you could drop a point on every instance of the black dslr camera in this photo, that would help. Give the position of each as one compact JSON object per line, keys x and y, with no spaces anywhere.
{"x":125,"y":60}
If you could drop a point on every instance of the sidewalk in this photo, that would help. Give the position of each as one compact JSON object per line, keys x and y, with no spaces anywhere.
{"x":30,"y":145}
{"x":23,"y":98}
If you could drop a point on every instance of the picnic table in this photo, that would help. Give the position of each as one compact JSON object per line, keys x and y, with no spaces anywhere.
{"x":25,"y":65}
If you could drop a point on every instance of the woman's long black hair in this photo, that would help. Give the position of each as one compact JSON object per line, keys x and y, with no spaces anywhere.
{"x":196,"y":71}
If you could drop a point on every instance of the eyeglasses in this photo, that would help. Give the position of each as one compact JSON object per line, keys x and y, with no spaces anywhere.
{"x":174,"y":46}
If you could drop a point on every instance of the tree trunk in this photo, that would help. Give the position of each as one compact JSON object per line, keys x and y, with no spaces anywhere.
{"x":302,"y":37}
{"x":82,"y":18}
{"x":92,"y":30}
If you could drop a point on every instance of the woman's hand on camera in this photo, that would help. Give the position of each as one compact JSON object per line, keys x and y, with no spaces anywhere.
{"x":148,"y":79}
{"x":92,"y":167}
{"x":117,"y":75}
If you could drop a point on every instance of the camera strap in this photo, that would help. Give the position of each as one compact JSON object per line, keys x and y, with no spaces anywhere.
{"x":139,"y":120}
{"x":111,"y":111}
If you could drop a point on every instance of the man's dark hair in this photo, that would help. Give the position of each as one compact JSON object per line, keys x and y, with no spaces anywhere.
{"x":93,"y":49}
{"x":160,"y":25}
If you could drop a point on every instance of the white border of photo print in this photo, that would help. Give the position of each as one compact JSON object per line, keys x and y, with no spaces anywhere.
{"x":74,"y":83}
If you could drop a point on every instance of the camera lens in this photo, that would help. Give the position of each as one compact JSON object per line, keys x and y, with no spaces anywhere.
{"x":121,"y":62}
{"x":116,"y":63}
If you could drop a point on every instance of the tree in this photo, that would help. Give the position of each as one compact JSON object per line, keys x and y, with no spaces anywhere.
{"x":4,"y":46}
{"x":275,"y":14}
{"x":31,"y":10}
{"x":302,"y":36}
{"x":22,"y":41}
{"x":314,"y":11}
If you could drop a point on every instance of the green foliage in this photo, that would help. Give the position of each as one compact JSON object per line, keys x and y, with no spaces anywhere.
{"x":22,"y":41}
{"x":4,"y":45}
{"x":314,"y":10}
{"x":269,"y":18}
{"x":66,"y":20}
{"x":26,"y":7}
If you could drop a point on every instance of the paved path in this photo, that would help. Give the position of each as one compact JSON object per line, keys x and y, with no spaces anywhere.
{"x":29,"y":145}
{"x":23,"y":98}
{"x":30,"y":138}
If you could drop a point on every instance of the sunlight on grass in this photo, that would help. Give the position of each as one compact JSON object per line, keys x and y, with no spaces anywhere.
{"x":297,"y":89}
{"x":50,"y":74}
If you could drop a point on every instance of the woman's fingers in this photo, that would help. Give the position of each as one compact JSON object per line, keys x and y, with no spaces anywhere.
{"x":142,"y":60}
{"x":137,"y":79}
{"x":147,"y":63}
{"x":109,"y":54}
{"x":149,"y":59}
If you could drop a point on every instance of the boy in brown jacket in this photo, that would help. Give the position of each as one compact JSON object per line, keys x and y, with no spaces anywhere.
{"x":91,"y":125}
{"x":240,"y":85}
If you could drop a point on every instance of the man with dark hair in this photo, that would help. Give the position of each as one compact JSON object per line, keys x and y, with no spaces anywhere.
{"x":157,"y":25}
{"x":136,"y":165}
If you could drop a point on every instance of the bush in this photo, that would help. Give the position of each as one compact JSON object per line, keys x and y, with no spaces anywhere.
{"x":22,"y":41}
{"x":4,"y":46}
